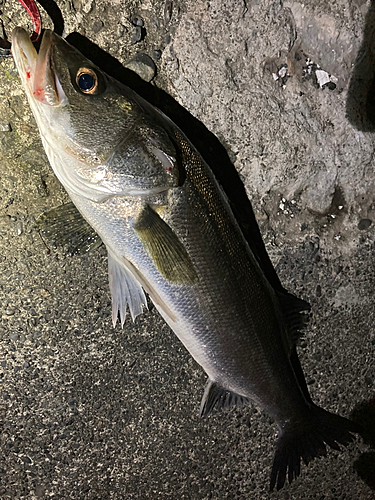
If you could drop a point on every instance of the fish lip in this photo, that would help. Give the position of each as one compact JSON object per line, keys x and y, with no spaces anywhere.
{"x":24,"y":53}
{"x":37,"y":68}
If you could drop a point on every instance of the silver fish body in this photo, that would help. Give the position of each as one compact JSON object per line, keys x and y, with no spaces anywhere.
{"x":169,"y":230}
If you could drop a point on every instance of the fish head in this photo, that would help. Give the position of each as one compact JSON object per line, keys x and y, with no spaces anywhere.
{"x":93,"y":128}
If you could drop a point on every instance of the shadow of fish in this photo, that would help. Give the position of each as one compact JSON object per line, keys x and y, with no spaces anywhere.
{"x":169,"y":231}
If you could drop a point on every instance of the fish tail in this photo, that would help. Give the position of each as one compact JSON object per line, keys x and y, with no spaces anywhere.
{"x":308,"y":441}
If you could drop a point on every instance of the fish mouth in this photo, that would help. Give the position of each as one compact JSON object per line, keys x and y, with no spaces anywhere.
{"x":36,"y":69}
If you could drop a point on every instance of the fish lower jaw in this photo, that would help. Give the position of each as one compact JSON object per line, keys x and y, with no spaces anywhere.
{"x":23,"y":50}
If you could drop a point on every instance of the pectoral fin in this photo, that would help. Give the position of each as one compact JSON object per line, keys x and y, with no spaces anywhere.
{"x":65,"y":226}
{"x":166,"y":250}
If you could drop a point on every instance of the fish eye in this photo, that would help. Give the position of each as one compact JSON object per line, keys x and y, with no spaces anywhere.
{"x":87,"y":80}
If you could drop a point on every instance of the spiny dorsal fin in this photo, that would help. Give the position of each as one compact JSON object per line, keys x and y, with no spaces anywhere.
{"x":216,"y":397}
{"x":295,"y":315}
{"x":65,"y":226}
{"x":125,"y":291}
{"x":164,"y":247}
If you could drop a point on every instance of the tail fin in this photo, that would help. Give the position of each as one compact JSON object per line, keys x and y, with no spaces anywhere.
{"x":307,"y":442}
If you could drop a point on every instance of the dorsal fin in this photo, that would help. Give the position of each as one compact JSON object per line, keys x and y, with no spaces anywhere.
{"x":216,"y":397}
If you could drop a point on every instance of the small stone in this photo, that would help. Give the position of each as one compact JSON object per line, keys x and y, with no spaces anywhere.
{"x":137,"y":21}
{"x":10,"y":311}
{"x":18,"y":228}
{"x":5,"y":220}
{"x":26,"y":365}
{"x":3,"y":364}
{"x":143,"y":65}
{"x":137,"y":35}
{"x":5,"y":127}
{"x":320,"y":189}
{"x":322,"y":77}
{"x":168,"y":39}
{"x":87,"y":5}
{"x":168,"y":9}
{"x":156,"y":54}
{"x":97,"y":26}
{"x":364,"y":224}
{"x":13,"y":336}
{"x":33,"y":322}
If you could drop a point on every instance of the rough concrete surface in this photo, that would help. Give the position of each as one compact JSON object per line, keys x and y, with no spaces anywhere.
{"x":92,"y":412}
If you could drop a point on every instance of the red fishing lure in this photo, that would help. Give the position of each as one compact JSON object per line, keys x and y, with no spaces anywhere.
{"x":33,"y":12}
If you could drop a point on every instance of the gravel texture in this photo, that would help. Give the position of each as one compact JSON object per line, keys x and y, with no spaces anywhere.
{"x":279,"y":98}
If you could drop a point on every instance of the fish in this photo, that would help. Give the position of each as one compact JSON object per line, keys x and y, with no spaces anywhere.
{"x":139,"y":186}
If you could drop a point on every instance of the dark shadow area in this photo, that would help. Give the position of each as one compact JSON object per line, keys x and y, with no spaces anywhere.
{"x":360,"y":104}
{"x":4,"y":42}
{"x":364,"y":414}
{"x":55,"y":14}
{"x":365,"y":468}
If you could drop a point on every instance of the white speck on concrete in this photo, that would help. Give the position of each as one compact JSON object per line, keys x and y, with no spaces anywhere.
{"x":322,"y":77}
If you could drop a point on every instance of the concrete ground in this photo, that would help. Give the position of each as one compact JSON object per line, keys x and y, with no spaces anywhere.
{"x":278,"y":97}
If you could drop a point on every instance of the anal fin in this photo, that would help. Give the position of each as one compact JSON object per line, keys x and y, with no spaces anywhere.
{"x":216,"y":397}
{"x":126,"y":291}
